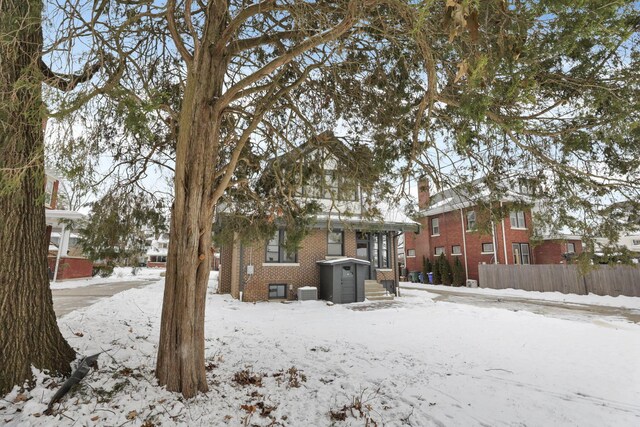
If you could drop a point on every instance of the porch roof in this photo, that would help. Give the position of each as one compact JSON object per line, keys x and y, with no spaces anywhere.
{"x":54,"y":216}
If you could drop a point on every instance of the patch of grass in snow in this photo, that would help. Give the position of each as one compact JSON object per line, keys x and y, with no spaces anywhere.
{"x":360,"y":408}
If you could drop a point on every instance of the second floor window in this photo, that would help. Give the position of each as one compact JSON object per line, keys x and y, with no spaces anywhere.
{"x":276,"y":252}
{"x":471,"y":220}
{"x":335,"y":243}
{"x":435,"y":227}
{"x":517,"y":220}
{"x":48,"y":192}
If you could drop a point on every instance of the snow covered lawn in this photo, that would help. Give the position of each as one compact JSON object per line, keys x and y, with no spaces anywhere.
{"x":120,"y":274}
{"x":591,"y":299}
{"x":410,"y":362}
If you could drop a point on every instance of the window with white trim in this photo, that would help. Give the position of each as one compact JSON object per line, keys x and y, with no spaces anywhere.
{"x":471,"y":220}
{"x":571,"y":248}
{"x":48,"y":192}
{"x":335,"y":243}
{"x":435,"y":226}
{"x":487,"y":248}
{"x":456,"y":250}
{"x":411,"y":252}
{"x":517,"y":219}
{"x":521,"y":253}
{"x":439,"y":250}
{"x":276,"y":252}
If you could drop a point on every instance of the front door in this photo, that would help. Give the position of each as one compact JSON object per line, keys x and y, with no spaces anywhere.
{"x":363,"y":251}
{"x":348,"y":284}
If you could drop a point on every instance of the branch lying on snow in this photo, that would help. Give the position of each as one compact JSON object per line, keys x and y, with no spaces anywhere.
{"x":81,"y":371}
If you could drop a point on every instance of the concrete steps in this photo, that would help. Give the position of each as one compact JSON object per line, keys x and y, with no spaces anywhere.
{"x":374,"y":291}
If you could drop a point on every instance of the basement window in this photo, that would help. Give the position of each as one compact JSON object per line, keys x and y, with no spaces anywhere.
{"x":277,"y":291}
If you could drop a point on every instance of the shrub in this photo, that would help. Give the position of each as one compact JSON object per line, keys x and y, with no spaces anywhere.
{"x":458,"y":273}
{"x":437,"y":277}
{"x":445,"y":270}
{"x":426,"y":268}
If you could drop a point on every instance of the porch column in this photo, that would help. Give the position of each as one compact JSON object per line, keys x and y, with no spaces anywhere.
{"x":55,"y":272}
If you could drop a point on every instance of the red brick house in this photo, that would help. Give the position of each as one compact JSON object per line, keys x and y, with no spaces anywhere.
{"x":450,"y":224}
{"x":263,"y":270}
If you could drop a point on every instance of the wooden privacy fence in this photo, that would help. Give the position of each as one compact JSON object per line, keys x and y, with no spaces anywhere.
{"x":603,"y":280}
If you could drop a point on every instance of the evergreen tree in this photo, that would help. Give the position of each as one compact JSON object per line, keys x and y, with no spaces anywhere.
{"x":437,"y":276}
{"x":529,"y":89}
{"x":426,"y":268}
{"x":445,"y":270}
{"x":458,"y":273}
{"x":117,"y":227}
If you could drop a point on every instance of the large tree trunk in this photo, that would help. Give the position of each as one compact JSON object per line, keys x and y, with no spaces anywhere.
{"x":181,"y":364}
{"x":29,"y":334}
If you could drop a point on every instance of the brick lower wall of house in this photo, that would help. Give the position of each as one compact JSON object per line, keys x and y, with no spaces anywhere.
{"x":71,"y":268}
{"x":305,"y":272}
{"x":156,"y":264}
{"x":551,"y":251}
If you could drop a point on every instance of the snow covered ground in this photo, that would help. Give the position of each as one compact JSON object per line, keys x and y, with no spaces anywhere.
{"x":120,"y":274}
{"x":410,"y":362}
{"x":591,"y":299}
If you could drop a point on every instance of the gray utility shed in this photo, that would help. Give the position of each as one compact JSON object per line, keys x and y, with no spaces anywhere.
{"x":342,"y":280}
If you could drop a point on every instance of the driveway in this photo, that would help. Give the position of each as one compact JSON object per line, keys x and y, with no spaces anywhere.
{"x":67,"y":300}
{"x":563,"y":310}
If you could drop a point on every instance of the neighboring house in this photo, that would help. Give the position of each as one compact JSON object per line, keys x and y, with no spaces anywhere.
{"x":449,"y":224}
{"x":64,"y":260}
{"x":157,"y":249}
{"x":343,"y":255}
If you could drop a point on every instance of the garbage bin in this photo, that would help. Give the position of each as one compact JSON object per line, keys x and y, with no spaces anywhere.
{"x":430,"y":276}
{"x":413,"y":276}
{"x":420,"y":277}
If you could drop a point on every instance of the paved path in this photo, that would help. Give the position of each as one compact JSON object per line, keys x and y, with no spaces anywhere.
{"x":67,"y":300}
{"x":564,"y":310}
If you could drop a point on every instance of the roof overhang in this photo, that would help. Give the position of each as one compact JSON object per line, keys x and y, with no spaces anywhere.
{"x":339,"y":261}
{"x":55,"y":217}
{"x":356,"y":222}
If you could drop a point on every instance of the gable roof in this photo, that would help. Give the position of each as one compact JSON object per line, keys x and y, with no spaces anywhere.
{"x":470,"y":194}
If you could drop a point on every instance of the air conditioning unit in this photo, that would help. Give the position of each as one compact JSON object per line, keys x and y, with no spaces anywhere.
{"x":472,"y":283}
{"x":307,"y":293}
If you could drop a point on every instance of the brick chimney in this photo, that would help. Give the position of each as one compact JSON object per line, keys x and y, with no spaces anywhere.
{"x":424,"y":197}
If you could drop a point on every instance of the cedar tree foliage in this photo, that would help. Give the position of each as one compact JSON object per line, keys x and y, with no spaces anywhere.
{"x":118,"y":226}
